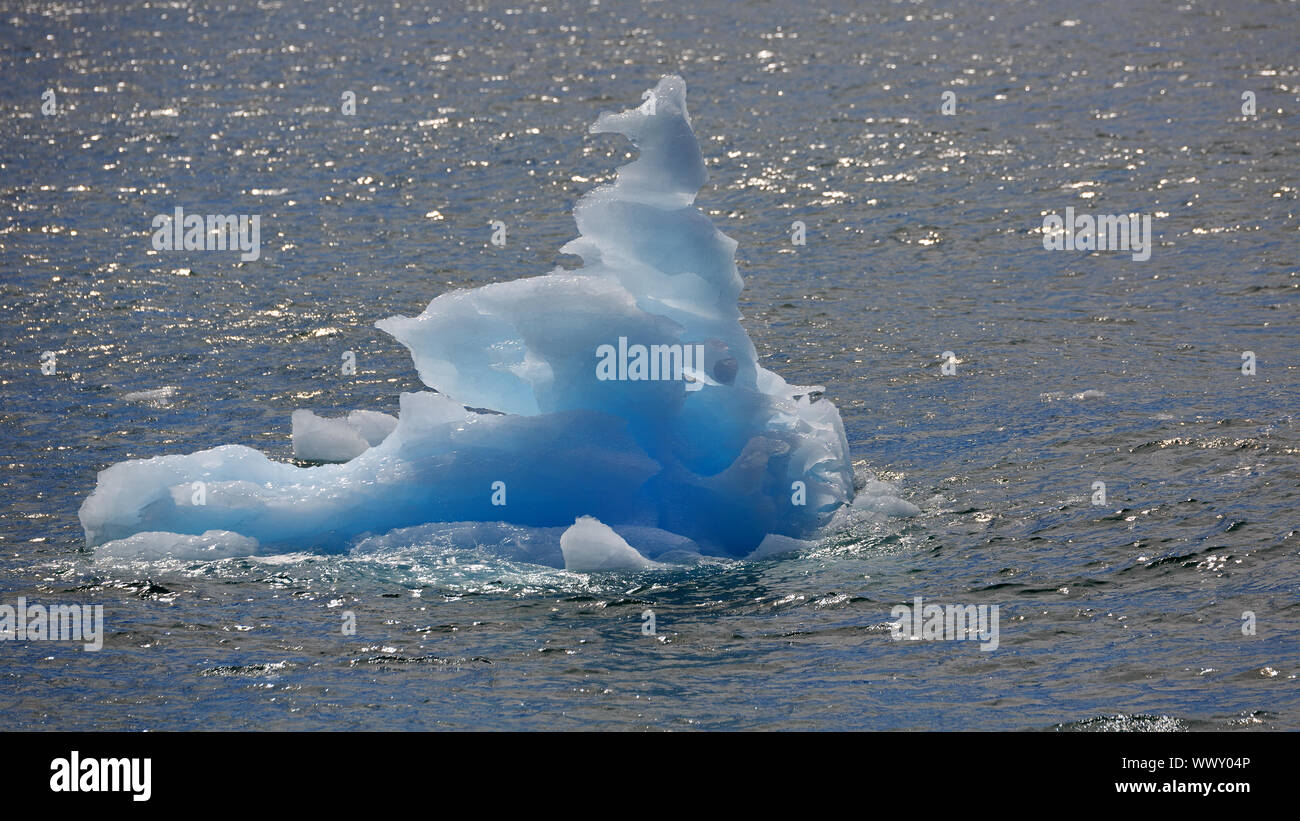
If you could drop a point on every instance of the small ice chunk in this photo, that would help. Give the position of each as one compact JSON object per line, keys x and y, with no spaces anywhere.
{"x":881,"y":497}
{"x":317,"y":439}
{"x":373,"y":426}
{"x":874,"y":503}
{"x":774,"y":544}
{"x":536,"y":545}
{"x":212,"y":544}
{"x":590,"y":545}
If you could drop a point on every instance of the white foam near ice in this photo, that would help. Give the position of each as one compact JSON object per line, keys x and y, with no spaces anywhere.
{"x":774,"y":545}
{"x":154,"y":397}
{"x":706,"y":467}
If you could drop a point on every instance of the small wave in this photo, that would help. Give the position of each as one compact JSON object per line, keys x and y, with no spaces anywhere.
{"x":269,"y":670}
{"x":157,"y":396}
{"x":1121,"y":723}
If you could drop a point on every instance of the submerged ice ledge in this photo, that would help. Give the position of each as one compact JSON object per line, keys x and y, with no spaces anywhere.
{"x":628,"y":396}
{"x":592,"y":546}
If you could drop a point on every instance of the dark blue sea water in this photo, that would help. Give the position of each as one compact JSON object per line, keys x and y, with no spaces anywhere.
{"x":924,"y":236}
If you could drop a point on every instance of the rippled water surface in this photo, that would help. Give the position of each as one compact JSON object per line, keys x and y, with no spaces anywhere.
{"x":923,"y":237}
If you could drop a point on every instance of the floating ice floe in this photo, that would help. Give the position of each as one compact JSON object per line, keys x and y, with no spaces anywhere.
{"x":632,"y":416}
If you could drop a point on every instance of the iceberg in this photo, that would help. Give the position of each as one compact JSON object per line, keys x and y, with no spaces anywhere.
{"x":623,"y":397}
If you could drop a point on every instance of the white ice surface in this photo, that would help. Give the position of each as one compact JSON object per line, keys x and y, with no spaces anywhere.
{"x":590,"y":546}
{"x":318,"y":439}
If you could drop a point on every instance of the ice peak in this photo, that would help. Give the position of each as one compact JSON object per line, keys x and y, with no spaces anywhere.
{"x":670,"y":170}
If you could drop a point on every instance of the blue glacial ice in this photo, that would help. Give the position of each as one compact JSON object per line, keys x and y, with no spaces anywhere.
{"x":632,"y":418}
